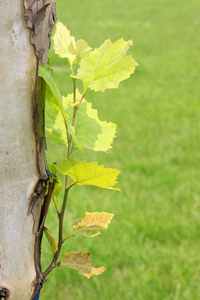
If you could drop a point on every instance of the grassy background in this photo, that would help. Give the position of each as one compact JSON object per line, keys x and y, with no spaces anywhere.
{"x":152,"y":248}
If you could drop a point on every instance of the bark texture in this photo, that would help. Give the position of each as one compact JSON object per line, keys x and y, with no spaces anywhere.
{"x":18,"y":159}
{"x":40,"y":16}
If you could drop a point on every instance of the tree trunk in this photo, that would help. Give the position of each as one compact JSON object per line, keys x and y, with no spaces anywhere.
{"x":20,"y":169}
{"x":19,"y":172}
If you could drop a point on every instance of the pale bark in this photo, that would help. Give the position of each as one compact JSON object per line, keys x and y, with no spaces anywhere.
{"x":23,"y":176}
{"x":18,"y":158}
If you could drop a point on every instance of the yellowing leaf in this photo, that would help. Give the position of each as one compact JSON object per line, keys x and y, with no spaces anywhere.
{"x":51,"y":240}
{"x":107,"y":66}
{"x":83,"y":173}
{"x":81,"y":262}
{"x":91,"y":224}
{"x":97,"y":271}
{"x":62,"y":39}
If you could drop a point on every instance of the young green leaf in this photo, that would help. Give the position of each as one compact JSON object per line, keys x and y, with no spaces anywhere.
{"x":49,"y":98}
{"x":80,"y":49}
{"x":107,"y":66}
{"x":51,"y":240}
{"x":83,"y":173}
{"x":90,"y":132}
{"x":80,"y":261}
{"x":62,"y":39}
{"x":56,"y":97}
{"x":55,"y":127}
{"x":52,"y":171}
{"x":58,"y":185}
{"x":56,"y":191}
{"x":91,"y":224}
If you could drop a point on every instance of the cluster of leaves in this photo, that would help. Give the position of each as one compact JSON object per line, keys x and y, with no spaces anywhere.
{"x":72,"y":121}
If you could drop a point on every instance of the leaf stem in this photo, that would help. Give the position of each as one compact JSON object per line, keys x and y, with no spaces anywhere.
{"x":75,"y":117}
{"x":83,"y":96}
{"x":74,"y":79}
{"x":77,"y":63}
{"x":74,"y":83}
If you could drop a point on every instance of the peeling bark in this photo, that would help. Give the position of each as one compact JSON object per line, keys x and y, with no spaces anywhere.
{"x":40,"y":15}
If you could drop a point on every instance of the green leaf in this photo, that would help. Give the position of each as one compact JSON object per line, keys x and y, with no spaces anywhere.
{"x":90,"y":132}
{"x":107,"y":66}
{"x":55,"y":127}
{"x":51,"y":240}
{"x":58,"y":185}
{"x":56,"y":120}
{"x":91,"y":224}
{"x":83,"y":173}
{"x":80,"y":261}
{"x":62,"y":39}
{"x":80,"y":49}
{"x":56,"y":97}
{"x":52,"y":170}
{"x":49,"y":97}
{"x":56,"y":191}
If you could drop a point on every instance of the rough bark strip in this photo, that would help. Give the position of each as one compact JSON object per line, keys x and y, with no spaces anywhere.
{"x":40,"y":16}
{"x":35,"y":206}
{"x":39,"y":129}
{"x":39,"y":125}
{"x":40,"y":277}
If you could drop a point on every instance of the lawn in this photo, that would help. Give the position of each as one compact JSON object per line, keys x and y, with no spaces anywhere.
{"x":152,"y":248}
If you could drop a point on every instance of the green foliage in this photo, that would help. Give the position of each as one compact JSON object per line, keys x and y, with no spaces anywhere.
{"x":53,"y":95}
{"x":107,"y":66}
{"x":84,"y":173}
{"x":90,"y":132}
{"x":80,"y":49}
{"x":156,"y":148}
{"x":62,"y":40}
{"x":71,"y":121}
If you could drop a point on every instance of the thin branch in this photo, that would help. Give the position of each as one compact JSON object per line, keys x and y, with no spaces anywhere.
{"x":74,"y":83}
{"x":60,"y":240}
{"x":83,"y":96}
{"x":45,"y":206}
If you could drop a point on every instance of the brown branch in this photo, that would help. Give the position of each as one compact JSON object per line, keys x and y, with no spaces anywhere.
{"x":45,"y":205}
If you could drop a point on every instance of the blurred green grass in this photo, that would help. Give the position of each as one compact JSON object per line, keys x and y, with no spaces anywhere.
{"x":152,"y":248}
